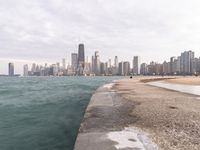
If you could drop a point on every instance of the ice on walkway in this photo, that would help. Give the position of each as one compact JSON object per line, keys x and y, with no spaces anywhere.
{"x":132,"y":138}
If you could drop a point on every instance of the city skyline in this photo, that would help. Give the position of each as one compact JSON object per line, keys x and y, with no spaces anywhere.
{"x":123,"y":27}
{"x":184,"y":64}
{"x":19,"y":66}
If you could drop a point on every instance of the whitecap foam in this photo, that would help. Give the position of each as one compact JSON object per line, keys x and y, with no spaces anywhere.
{"x":132,"y":138}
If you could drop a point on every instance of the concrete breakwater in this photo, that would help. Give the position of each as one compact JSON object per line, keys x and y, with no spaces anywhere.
{"x":120,"y":118}
{"x":108,"y":124}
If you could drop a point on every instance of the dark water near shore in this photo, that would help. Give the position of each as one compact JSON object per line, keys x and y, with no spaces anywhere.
{"x":44,"y":113}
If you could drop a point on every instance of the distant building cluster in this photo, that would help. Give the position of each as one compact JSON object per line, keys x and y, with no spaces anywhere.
{"x":185,"y":64}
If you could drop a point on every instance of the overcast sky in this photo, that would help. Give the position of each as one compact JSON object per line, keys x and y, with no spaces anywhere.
{"x":49,"y":30}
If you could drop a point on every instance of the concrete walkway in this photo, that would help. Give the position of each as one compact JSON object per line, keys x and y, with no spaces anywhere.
{"x":103,"y":126}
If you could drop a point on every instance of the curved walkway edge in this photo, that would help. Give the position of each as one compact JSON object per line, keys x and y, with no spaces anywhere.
{"x":106,"y":124}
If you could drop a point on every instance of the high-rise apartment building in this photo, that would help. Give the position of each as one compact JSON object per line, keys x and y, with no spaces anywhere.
{"x":136,"y":65}
{"x":63,"y":64}
{"x":11,"y":69}
{"x":198,"y":66}
{"x":126,"y":68}
{"x":116,"y":62}
{"x":93,"y":64}
{"x":109,"y":63}
{"x":187,"y":62}
{"x":96,"y":63}
{"x":74,"y":61}
{"x":172,"y":65}
{"x":25,"y":70}
{"x":121,"y":69}
{"x":143,"y":69}
{"x":33,"y":68}
{"x":115,"y":66}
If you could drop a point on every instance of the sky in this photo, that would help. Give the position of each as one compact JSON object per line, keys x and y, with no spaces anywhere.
{"x":48,"y":30}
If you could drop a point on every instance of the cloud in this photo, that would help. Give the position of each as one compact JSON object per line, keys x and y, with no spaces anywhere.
{"x":48,"y":30}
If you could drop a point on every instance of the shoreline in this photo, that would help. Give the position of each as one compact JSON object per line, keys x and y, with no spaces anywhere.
{"x":184,"y":81}
{"x":188,"y":80}
{"x":169,"y":119}
{"x":104,"y":124}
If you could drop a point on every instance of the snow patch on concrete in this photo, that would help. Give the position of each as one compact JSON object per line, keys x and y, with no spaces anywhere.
{"x":132,"y":138}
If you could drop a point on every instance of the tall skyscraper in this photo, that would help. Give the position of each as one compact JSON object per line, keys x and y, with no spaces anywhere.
{"x":109,"y":63}
{"x":93,"y":64}
{"x":126,"y":68}
{"x":11,"y":69}
{"x":74,"y":61}
{"x":96,"y":63}
{"x":116,"y":62}
{"x":136,"y":65}
{"x":81,"y":59}
{"x":187,"y":62}
{"x":172,"y":65}
{"x":102,"y":69}
{"x":58,"y":66}
{"x":87,"y":68}
{"x":63,"y":64}
{"x":121,"y":69}
{"x":143,"y":69}
{"x":165,"y":68}
{"x":25,"y":70}
{"x":33,"y":69}
{"x":81,"y":55}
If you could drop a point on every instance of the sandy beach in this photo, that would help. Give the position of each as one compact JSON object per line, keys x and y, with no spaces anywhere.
{"x":172,"y":118}
{"x":185,"y":80}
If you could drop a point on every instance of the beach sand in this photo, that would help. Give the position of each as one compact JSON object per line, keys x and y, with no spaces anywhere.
{"x":185,"y":80}
{"x":171,"y":118}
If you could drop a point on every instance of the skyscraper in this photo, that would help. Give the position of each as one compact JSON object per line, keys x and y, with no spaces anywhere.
{"x":93,"y":64}
{"x":109,"y":63}
{"x":81,"y":59}
{"x":102,"y":69}
{"x":116,"y":62}
{"x":121,"y":69}
{"x":11,"y":69}
{"x":33,"y":69}
{"x":74,"y":61}
{"x":126,"y":68}
{"x":172,"y":65}
{"x":81,"y":55}
{"x":187,"y":62}
{"x":25,"y":70}
{"x":63,"y":64}
{"x":96,"y":63}
{"x":136,"y":65}
{"x":143,"y":69}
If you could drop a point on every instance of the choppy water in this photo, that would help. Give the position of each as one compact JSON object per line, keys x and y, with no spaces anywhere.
{"x":44,"y":113}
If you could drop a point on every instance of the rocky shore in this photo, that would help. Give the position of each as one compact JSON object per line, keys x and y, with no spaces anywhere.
{"x":171,"y":119}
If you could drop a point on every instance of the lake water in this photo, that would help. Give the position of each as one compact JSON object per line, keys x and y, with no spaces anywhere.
{"x":44,"y":113}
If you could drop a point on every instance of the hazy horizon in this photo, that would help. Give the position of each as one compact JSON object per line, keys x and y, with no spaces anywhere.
{"x":49,"y":30}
